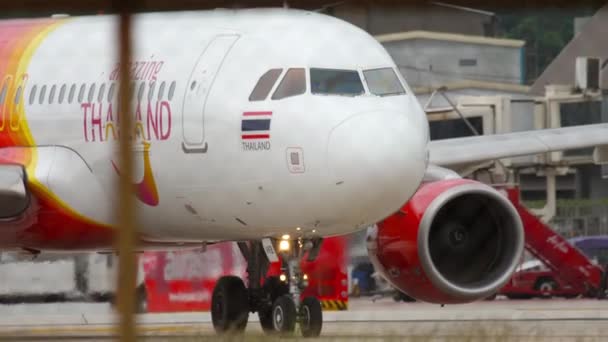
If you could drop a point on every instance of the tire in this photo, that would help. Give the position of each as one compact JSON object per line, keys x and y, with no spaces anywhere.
{"x":284,"y":315}
{"x":141,"y":306}
{"x":266,"y":321}
{"x":229,"y":305}
{"x":545,"y":286}
{"x":273,"y":288}
{"x":312,"y":317}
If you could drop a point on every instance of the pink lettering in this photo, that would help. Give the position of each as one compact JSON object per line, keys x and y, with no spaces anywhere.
{"x":85,"y":107}
{"x":138,"y":112}
{"x":109,"y":114}
{"x":157,"y":70}
{"x":96,"y":121}
{"x":152,"y":120}
{"x":114,"y":73}
{"x":165,"y":110}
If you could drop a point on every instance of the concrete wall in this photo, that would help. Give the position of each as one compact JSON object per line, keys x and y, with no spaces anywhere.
{"x":428,"y":17}
{"x":590,"y":182}
{"x":433,"y":62}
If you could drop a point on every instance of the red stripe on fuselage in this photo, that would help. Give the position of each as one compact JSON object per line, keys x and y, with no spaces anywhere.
{"x":256,"y":136}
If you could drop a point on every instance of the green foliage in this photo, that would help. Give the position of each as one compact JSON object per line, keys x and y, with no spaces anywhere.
{"x":568,"y":203}
{"x":545,"y":30}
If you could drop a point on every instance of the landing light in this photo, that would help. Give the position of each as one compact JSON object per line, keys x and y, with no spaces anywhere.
{"x":282,"y":277}
{"x":284,"y":245}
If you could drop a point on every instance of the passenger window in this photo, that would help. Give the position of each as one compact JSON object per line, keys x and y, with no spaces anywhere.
{"x":62,"y":93}
{"x":3,"y":93}
{"x":81,"y":93}
{"x":140,"y":92}
{"x":102,"y":92}
{"x":42,"y":94}
{"x":18,"y":95}
{"x":72,"y":92}
{"x":172,"y":90}
{"x":292,"y":84}
{"x":52,"y":94}
{"x":151,"y":91}
{"x":264,"y":85}
{"x":91,"y":93}
{"x":335,"y":82}
{"x":161,"y":91}
{"x":111,"y":92}
{"x":383,"y":82}
{"x":32,"y":95}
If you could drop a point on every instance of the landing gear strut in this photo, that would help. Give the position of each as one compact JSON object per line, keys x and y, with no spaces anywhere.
{"x":277,"y":300}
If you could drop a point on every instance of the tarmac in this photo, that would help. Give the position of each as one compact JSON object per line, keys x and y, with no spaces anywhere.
{"x":366,"y":320}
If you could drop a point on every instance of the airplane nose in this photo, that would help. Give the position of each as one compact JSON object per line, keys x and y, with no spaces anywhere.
{"x":376,"y":160}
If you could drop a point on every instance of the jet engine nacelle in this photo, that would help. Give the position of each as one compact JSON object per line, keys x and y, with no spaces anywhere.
{"x":455,"y":241}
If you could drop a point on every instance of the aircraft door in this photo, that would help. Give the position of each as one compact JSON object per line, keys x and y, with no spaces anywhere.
{"x":197,"y":92}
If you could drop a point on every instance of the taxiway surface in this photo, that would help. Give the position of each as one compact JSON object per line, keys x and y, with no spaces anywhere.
{"x":548,"y":320}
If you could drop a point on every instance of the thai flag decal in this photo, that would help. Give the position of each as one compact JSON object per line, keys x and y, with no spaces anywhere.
{"x":255,"y":125}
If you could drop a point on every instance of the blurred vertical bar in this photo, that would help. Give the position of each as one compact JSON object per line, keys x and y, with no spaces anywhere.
{"x":127,"y":269}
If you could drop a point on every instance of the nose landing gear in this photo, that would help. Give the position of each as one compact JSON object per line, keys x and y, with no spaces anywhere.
{"x":278,"y":301}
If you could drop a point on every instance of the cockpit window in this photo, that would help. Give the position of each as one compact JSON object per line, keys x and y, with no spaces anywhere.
{"x":264,"y":85}
{"x":293,"y":83}
{"x":383,"y":82}
{"x":336,"y":82}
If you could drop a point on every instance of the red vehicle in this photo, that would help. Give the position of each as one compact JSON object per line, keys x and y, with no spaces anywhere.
{"x":534,"y":279}
{"x":562,"y":268}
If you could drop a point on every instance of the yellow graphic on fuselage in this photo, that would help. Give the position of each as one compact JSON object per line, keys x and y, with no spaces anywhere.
{"x":145,"y":190}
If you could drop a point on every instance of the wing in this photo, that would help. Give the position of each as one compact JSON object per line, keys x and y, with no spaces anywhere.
{"x":479,"y":149}
{"x":39,"y":207}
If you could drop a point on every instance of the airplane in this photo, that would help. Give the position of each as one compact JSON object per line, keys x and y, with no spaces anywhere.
{"x":273,"y":128}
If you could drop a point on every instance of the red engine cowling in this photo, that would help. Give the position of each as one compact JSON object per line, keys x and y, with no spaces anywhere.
{"x":455,"y":241}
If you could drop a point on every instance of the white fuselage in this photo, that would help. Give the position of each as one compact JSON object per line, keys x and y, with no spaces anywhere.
{"x":357,"y":158}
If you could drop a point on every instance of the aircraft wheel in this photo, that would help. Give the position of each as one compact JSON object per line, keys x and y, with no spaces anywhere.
{"x":274,"y":288}
{"x":311,"y":317}
{"x":229,"y":305}
{"x":284,"y":315}
{"x":266,"y":321}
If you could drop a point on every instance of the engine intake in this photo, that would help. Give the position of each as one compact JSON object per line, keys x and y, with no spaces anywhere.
{"x":455,"y":241}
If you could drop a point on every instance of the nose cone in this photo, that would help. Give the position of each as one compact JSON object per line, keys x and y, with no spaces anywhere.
{"x":376,"y":160}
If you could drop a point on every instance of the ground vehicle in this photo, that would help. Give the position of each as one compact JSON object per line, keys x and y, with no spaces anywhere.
{"x":595,"y":247}
{"x":534,"y":279}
